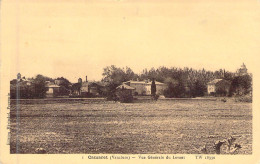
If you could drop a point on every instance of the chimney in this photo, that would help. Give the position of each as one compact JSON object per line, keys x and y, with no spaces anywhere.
{"x":86,"y":78}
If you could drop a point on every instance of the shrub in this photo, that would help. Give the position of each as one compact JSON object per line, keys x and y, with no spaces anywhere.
{"x":112,"y":97}
{"x":246,"y":98}
{"x":125,"y":96}
{"x":155,"y":97}
{"x":241,"y":85}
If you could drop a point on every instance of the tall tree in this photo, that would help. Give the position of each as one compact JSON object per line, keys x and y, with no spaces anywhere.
{"x":153,"y":88}
{"x":39,"y":83}
{"x":65,"y":86}
{"x":241,"y":85}
{"x":114,"y":76}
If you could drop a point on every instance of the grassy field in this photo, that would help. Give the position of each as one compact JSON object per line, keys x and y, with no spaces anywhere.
{"x":161,"y":127}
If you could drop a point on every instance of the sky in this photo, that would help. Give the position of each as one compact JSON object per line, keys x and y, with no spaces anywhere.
{"x":78,"y":38}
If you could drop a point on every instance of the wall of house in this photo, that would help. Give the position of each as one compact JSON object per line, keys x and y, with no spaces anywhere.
{"x":52,"y":92}
{"x":211,"y":88}
{"x":142,"y":88}
{"x":139,"y":88}
{"x":84,"y":87}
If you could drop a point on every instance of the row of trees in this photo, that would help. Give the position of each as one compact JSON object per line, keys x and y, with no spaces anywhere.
{"x":185,"y":82}
{"x":24,"y":89}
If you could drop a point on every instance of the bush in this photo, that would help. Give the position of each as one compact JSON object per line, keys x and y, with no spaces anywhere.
{"x":155,"y":97}
{"x":124,"y":96}
{"x":241,"y":85}
{"x":112,"y":97}
{"x":246,"y":98}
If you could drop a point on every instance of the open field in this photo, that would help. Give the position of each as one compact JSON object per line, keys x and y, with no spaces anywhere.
{"x":96,"y":126}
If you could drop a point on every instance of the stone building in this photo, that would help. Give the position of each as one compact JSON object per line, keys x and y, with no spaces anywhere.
{"x":80,"y":88}
{"x":218,"y":87}
{"x":144,"y":87}
{"x":52,"y":90}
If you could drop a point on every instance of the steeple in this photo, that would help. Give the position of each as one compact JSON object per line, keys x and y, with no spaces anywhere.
{"x":19,"y":76}
{"x":242,"y":70}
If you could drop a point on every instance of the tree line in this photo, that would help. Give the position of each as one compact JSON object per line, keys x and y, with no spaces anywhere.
{"x":181,"y":82}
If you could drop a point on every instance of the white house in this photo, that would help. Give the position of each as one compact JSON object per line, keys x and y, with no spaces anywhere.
{"x":52,"y":90}
{"x":218,"y":85}
{"x":144,"y":87}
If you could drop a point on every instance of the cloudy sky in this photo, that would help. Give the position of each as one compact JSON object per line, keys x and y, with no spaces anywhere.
{"x":77,"y":38}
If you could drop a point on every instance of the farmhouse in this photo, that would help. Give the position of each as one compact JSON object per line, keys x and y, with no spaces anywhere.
{"x":22,"y":80}
{"x":87,"y":89}
{"x":80,"y":88}
{"x":95,"y":88}
{"x":218,"y":87}
{"x":125,"y":88}
{"x":52,"y":89}
{"x":144,"y":87}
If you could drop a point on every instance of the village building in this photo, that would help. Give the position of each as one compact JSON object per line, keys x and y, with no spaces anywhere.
{"x":218,"y":87}
{"x":126,"y":88}
{"x":52,"y":90}
{"x":58,"y":81}
{"x":84,"y":87}
{"x":22,"y":80}
{"x":95,"y":89}
{"x":80,"y":88}
{"x":144,"y":87}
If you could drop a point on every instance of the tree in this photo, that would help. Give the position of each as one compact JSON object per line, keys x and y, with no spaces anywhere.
{"x":39,"y":83}
{"x":153,"y":88}
{"x":114,"y":76}
{"x":222,"y":88}
{"x":125,"y":96}
{"x":20,"y":90}
{"x":175,"y":88}
{"x":241,"y":85}
{"x":198,"y":89}
{"x":65,"y":86}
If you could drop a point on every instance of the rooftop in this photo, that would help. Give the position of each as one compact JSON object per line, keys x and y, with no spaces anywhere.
{"x":215,"y":81}
{"x":124,"y":86}
{"x":52,"y":86}
{"x":144,"y":82}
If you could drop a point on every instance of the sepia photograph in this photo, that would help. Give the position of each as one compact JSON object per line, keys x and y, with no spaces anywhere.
{"x":132,"y":77}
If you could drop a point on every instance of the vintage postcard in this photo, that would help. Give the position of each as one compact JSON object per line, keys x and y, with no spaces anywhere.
{"x":130,"y":81}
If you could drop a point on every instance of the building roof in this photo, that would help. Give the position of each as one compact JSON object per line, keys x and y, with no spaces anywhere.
{"x":98,"y":84}
{"x":215,"y":81}
{"x":124,"y":86}
{"x":144,"y":82}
